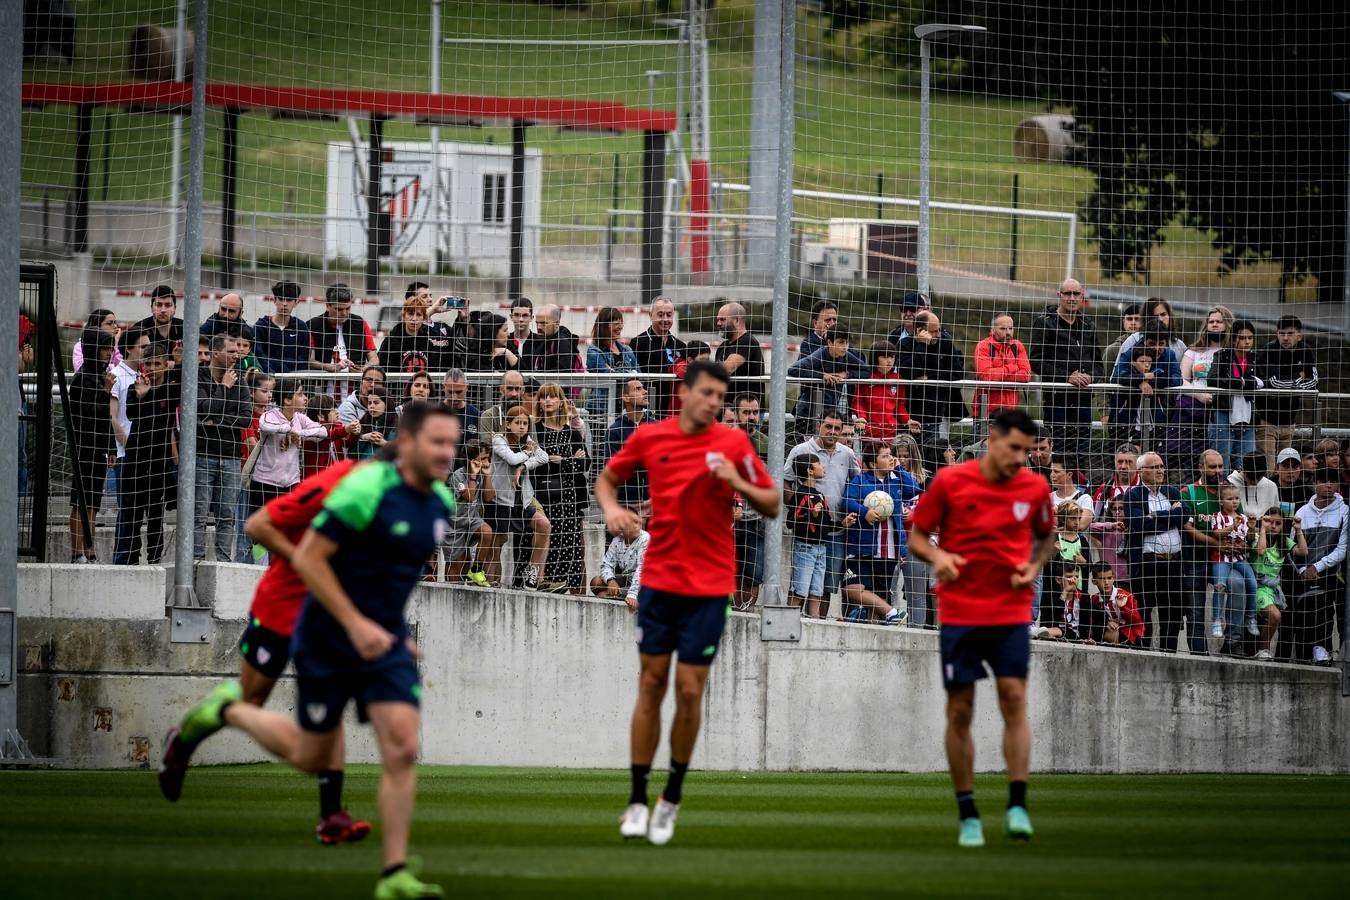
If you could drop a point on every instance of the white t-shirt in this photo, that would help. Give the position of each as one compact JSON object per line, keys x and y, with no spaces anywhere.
{"x":125,"y":377}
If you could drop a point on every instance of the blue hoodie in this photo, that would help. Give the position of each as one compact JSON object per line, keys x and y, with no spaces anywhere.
{"x":864,"y":539}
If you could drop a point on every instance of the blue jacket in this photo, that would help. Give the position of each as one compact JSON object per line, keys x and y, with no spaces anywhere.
{"x":281,"y":350}
{"x":862,"y":538}
{"x":1166,"y":374}
{"x":1141,"y":522}
{"x":813,"y":402}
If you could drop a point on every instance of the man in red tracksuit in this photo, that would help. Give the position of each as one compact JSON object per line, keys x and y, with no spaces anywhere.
{"x":999,"y":357}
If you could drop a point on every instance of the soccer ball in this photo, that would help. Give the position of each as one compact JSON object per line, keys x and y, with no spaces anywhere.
{"x":880,"y":503}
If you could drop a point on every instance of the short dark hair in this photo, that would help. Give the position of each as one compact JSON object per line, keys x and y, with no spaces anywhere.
{"x":1099,"y":567}
{"x":245,"y":332}
{"x":338,"y":293}
{"x":1132,"y":449}
{"x":1011,"y":419}
{"x":286,"y":290}
{"x":832,"y":414}
{"x":163,"y":290}
{"x":218,"y":342}
{"x":1142,"y":350}
{"x":414,"y":287}
{"x":745,"y":397}
{"x":821,"y":306}
{"x":1242,"y":325}
{"x":838,"y":333}
{"x":129,"y":338}
{"x":522,"y":301}
{"x":801,"y":466}
{"x":1288,"y":322}
{"x":707,"y":367}
{"x":416,"y":413}
{"x":879,"y":349}
{"x":696,"y":348}
{"x":1155,"y":330}
{"x":321,"y":405}
{"x":1325,"y":474}
{"x":871,"y":450}
{"x":369,"y":369}
{"x":1134,"y":309}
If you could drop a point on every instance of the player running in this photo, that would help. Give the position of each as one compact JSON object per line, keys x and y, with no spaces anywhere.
{"x":361,"y":558}
{"x":986,"y":513}
{"x":695,"y":467}
{"x":265,"y":646}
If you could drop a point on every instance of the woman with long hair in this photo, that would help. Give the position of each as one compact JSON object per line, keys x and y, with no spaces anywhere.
{"x":561,"y":485}
{"x":282,"y":430}
{"x":606,"y":353}
{"x":152,"y":456}
{"x":1190,"y":433}
{"x":104,"y":320}
{"x":1238,"y":368}
{"x":486,"y":350}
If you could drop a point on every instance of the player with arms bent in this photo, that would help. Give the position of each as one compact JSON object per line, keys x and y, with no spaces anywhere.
{"x":695,"y":467}
{"x":986,"y":513}
{"x":265,"y":646}
{"x":361,"y":559}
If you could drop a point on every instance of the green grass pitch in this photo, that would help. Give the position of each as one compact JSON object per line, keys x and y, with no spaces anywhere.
{"x":245,"y":832}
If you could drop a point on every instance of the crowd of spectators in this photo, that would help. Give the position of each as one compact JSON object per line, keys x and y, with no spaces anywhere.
{"x":1246,"y":557}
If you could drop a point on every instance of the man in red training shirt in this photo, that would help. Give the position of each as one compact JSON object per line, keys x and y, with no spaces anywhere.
{"x":995,"y":524}
{"x":695,"y":467}
{"x":265,"y":646}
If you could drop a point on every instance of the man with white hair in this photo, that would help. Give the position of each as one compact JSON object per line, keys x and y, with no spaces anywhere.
{"x":658,"y":350}
{"x":1154,"y":519}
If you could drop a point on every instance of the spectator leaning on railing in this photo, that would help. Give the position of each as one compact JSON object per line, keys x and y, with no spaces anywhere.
{"x":223,"y":409}
{"x":999,"y":357}
{"x":1288,"y":362}
{"x":824,"y":316}
{"x":657,"y":351}
{"x":930,"y":355}
{"x":633,"y":493}
{"x":739,"y":353}
{"x":1064,"y":350}
{"x":353,"y":406}
{"x":1236,"y":368}
{"x":834,"y":364}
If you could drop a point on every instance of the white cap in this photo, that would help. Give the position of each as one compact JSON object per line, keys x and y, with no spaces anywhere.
{"x":1288,"y":454}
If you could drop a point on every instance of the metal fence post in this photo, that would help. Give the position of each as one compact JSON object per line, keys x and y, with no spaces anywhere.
{"x":11,"y":143}
{"x":184,"y":593}
{"x":779,"y":621}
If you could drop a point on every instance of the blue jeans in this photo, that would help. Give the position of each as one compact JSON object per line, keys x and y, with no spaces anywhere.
{"x":1232,"y":441}
{"x":1193,"y":606}
{"x":218,"y":492}
{"x":1231,"y":604}
{"x":1036,"y":587}
{"x":809,"y":562}
{"x":834,"y":563}
{"x":915,"y":572}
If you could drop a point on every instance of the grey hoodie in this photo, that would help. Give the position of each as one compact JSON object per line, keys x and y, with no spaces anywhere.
{"x":1325,"y":532}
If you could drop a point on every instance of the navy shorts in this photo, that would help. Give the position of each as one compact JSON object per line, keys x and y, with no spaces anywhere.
{"x":677,"y":623}
{"x":321,"y":699}
{"x":266,"y":650}
{"x":875,"y":575}
{"x":967,"y":648}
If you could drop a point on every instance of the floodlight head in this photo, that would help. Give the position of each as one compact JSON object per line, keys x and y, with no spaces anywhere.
{"x":924,"y":32}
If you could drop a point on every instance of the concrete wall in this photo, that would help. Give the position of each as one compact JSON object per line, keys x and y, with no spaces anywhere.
{"x":528,"y":679}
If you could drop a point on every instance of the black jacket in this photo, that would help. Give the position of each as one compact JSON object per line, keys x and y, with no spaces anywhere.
{"x":551,"y":354}
{"x":1296,"y":368}
{"x":222,"y":412}
{"x":655,"y":357}
{"x":1058,"y":349}
{"x":1223,"y":376}
{"x":938,"y":360}
{"x":404,"y":352}
{"x":90,"y":414}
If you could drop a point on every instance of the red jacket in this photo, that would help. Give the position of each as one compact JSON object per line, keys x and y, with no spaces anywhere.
{"x":882,"y":406}
{"x":999,"y":362}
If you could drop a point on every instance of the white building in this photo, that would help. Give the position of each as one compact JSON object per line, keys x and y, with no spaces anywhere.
{"x":475,"y":184}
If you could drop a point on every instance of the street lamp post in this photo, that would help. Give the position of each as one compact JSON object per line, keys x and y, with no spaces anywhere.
{"x":924,"y":33}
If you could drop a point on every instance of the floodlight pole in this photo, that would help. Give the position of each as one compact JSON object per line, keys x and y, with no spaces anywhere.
{"x":437,"y":222}
{"x":924,"y":33}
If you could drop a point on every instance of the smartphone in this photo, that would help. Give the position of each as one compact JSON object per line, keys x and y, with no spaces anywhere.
{"x":454,"y":302}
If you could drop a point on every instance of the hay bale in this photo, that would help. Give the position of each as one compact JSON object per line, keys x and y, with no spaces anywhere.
{"x":150,"y":53}
{"x":1044,"y":138}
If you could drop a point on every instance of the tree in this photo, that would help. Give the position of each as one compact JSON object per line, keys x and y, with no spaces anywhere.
{"x":1217,"y":116}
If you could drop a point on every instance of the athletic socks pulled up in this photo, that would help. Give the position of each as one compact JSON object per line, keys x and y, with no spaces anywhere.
{"x":1017,"y":794}
{"x":965,"y":805}
{"x":675,"y":784}
{"x":330,"y":792}
{"x":639,"y":791}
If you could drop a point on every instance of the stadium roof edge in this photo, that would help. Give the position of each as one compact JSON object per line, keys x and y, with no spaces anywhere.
{"x":446,"y":109}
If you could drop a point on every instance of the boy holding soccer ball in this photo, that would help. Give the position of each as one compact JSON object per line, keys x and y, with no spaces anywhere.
{"x":876,"y":540}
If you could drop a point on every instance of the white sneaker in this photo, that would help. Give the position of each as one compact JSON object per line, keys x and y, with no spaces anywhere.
{"x":1320,"y":655}
{"x":1264,"y":654}
{"x":1216,"y":630}
{"x":1040,"y":631}
{"x":633,"y":822}
{"x":1251,"y":626}
{"x":662,"y":827}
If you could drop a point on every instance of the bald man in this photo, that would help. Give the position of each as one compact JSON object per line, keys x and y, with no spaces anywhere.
{"x":552,"y":347}
{"x":1066,"y":351}
{"x":739,"y":352}
{"x":227,"y":318}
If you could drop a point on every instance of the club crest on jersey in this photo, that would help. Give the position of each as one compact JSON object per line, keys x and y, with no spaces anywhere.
{"x":1020,"y":511}
{"x":263,"y":656}
{"x":316,"y":711}
{"x":713,"y":459}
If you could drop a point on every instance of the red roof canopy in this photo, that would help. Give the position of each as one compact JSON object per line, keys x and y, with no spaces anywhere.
{"x":445,"y":109}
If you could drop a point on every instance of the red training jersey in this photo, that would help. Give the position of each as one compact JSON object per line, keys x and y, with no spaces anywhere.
{"x":281,"y":592}
{"x":692,"y":550}
{"x":991,"y":524}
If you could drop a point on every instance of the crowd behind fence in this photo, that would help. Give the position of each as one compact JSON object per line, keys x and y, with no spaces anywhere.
{"x":1211,"y":439}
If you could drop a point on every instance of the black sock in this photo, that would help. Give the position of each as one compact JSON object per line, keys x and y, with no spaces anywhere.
{"x":330,"y":792}
{"x":675,"y":784}
{"x":640,"y":776}
{"x":965,"y":805}
{"x":1017,"y":794}
{"x":393,"y":870}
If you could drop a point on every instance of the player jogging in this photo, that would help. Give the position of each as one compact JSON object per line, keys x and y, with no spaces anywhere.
{"x":361,"y":558}
{"x":986,"y":513}
{"x":695,"y":467}
{"x":265,"y":646}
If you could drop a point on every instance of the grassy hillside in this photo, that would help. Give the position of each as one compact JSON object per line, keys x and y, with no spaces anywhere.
{"x":853,"y":123}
